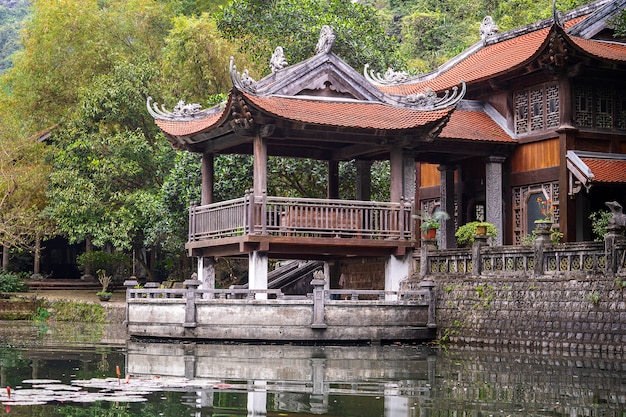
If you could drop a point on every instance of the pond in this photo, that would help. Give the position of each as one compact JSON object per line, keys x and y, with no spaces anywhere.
{"x":52,"y":372}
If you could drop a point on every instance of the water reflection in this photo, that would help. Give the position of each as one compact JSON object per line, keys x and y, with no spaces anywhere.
{"x":301,"y":378}
{"x":272,"y":380}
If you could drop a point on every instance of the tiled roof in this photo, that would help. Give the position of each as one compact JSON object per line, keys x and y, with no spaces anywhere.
{"x":607,"y":170}
{"x":607,"y":50}
{"x":496,"y":58}
{"x":486,"y":62}
{"x":344,"y":113}
{"x":190,"y":126}
{"x":474,"y":125}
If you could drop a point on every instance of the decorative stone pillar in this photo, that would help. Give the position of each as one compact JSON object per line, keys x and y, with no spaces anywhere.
{"x":446,"y":231}
{"x":477,"y":262}
{"x":397,"y":269}
{"x":409,"y":176}
{"x":494,"y":195}
{"x":612,"y":237}
{"x":318,"y":284}
{"x":206,"y":273}
{"x":257,"y":273}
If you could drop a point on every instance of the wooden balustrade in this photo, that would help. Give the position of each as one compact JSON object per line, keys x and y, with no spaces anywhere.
{"x":303,"y":217}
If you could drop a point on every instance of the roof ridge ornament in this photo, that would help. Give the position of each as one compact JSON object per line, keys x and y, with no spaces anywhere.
{"x":390,"y":77}
{"x":556,"y":15}
{"x":428,"y":100}
{"x":326,"y":41}
{"x":182,"y":110}
{"x":242,"y":81}
{"x":278,"y":60}
{"x":488,"y":27}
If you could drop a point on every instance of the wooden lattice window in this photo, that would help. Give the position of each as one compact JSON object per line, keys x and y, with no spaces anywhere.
{"x":536,"y":109}
{"x":526,"y":210}
{"x":602,"y":107}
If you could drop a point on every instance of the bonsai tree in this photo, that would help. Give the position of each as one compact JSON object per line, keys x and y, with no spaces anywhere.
{"x":105,"y":281}
{"x":466,"y":233}
{"x":431,"y":221}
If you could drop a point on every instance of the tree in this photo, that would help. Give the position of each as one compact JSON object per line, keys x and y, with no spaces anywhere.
{"x":195,"y":61}
{"x":260,"y":26}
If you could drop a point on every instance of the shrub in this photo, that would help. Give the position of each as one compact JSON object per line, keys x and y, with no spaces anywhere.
{"x":111,"y":263}
{"x":465,"y":234}
{"x":599,"y":223}
{"x":12,"y":282}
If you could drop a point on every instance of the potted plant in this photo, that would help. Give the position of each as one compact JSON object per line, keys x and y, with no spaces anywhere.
{"x":105,"y":281}
{"x":431,"y":222}
{"x":466,"y":234}
{"x":547,"y":210}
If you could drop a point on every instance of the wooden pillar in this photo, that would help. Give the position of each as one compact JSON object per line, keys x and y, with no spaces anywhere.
{"x":363,"y":180}
{"x":447,"y":204}
{"x":567,"y":134}
{"x":397,"y":174}
{"x":260,"y":165}
{"x":208,"y":178}
{"x":332,"y":190}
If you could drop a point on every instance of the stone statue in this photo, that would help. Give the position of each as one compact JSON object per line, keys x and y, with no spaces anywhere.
{"x":278,"y":61}
{"x":618,"y":218}
{"x":326,"y":41}
{"x":488,"y":27}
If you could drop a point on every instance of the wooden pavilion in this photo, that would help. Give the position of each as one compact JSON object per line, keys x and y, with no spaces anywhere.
{"x":538,"y":111}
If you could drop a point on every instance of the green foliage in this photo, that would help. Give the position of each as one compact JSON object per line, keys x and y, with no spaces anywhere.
{"x":12,"y":282}
{"x":594,"y":297}
{"x":77,"y":312}
{"x":11,"y":18}
{"x":486,"y":294}
{"x":465,"y":234}
{"x":599,"y":223}
{"x":42,"y":314}
{"x":260,"y":26}
{"x":109,"y":263}
{"x":431,"y":220}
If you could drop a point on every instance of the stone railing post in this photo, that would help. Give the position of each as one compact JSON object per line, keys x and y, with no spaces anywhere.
{"x":477,"y":262}
{"x":430,"y":286}
{"x":612,"y":237}
{"x":427,"y":244}
{"x":318,"y":283}
{"x":539,"y":252}
{"x":129,"y":284}
{"x":190,"y":302}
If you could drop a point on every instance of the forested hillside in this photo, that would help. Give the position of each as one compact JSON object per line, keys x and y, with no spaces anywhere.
{"x":84,"y":69}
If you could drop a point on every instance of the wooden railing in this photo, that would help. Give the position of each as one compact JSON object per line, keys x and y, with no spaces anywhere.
{"x":302,"y":217}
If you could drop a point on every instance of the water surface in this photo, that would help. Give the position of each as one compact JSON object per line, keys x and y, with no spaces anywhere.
{"x":204,"y":380}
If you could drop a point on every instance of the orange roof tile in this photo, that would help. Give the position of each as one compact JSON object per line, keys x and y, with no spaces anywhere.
{"x":192,"y":126}
{"x":613,"y":51}
{"x":607,"y":170}
{"x":474,"y":125}
{"x":486,"y":62}
{"x":346,"y":113}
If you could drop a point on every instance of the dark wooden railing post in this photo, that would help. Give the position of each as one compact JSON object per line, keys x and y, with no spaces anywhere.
{"x":401,"y":219}
{"x":192,"y":220}
{"x":190,"y":302}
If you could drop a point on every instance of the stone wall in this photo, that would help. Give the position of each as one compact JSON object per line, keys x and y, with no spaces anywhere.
{"x":585,"y":313}
{"x":363,"y":273}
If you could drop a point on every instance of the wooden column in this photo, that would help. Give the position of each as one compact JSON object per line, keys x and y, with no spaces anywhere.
{"x":447,"y":204}
{"x":567,"y":134}
{"x":397,"y":174}
{"x":260,"y":165}
{"x":208,"y":178}
{"x":364,"y":180}
{"x":332,"y":190}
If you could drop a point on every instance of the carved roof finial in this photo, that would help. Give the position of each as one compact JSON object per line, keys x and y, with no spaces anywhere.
{"x":326,"y":41}
{"x":488,"y":27}
{"x":556,"y":14}
{"x":278,"y":61}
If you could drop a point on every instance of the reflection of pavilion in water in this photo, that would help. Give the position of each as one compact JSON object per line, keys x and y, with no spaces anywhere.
{"x":300,"y":378}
